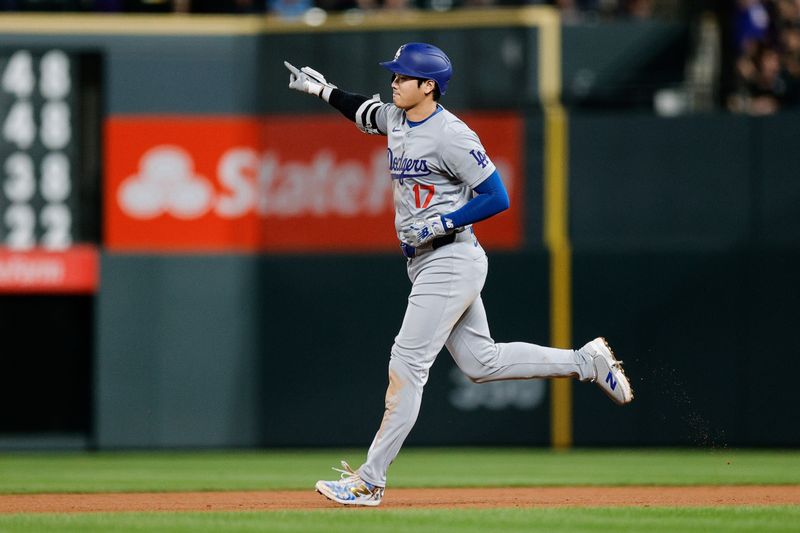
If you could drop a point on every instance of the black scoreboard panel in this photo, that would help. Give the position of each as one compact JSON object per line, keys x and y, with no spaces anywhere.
{"x":50,"y":180}
{"x":50,"y":113}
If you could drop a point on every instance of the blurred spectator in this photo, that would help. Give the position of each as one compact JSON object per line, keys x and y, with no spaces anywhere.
{"x":640,"y":9}
{"x":751,"y":26}
{"x":572,"y":11}
{"x":790,"y":62}
{"x":397,"y":5}
{"x":759,"y":84}
{"x":790,"y":40}
{"x":767,"y":66}
{"x":289,"y":8}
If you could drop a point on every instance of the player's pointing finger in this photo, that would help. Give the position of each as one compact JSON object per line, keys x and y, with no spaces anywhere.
{"x":292,"y":68}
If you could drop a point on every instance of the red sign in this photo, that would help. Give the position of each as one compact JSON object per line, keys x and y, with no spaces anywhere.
{"x":299,"y":184}
{"x":74,"y":270}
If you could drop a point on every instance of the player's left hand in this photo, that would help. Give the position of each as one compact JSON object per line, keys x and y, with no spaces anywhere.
{"x":307,"y":80}
{"x":422,"y":231}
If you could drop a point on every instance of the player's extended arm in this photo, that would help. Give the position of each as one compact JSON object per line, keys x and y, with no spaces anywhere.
{"x":492,"y":198}
{"x":355,"y":107}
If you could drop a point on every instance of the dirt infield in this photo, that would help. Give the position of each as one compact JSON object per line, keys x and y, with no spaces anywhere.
{"x":403,"y":498}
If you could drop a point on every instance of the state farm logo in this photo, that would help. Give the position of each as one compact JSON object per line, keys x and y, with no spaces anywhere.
{"x":247,"y":182}
{"x":166,"y":183}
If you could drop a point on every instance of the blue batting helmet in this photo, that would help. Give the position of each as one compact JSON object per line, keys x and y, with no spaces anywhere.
{"x":421,"y":60}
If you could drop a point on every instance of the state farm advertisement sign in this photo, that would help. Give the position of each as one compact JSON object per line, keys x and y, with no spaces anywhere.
{"x":284,"y":184}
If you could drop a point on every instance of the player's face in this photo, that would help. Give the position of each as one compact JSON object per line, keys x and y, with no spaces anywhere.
{"x":407,"y":92}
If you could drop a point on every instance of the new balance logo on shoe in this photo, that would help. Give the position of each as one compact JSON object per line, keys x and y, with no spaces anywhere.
{"x":615,"y":384}
{"x":360,"y":490}
{"x":611,"y":381}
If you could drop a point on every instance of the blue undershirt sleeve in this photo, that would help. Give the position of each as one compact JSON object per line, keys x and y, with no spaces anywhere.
{"x":492,"y":198}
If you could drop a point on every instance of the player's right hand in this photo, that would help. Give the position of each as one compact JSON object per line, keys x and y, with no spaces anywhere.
{"x":420,"y":232}
{"x":307,"y":80}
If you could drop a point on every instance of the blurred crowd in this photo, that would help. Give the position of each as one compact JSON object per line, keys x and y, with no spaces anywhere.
{"x":767,"y":63}
{"x":572,"y":9}
{"x":760,"y":44}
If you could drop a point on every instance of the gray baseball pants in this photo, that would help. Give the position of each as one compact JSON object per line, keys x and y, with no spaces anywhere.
{"x":445,"y":309}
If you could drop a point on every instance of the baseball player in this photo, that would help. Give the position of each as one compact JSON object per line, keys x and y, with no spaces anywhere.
{"x":443,"y":182}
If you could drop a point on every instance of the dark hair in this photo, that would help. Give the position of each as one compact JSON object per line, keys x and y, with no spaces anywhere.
{"x":436,"y":93}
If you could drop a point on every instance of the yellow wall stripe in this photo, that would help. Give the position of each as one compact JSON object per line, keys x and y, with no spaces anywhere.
{"x":556,"y":222}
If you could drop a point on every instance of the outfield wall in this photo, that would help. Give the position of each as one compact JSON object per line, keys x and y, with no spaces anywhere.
{"x":695,"y":286}
{"x":266,"y":323}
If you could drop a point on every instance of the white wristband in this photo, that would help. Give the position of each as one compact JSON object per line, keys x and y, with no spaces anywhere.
{"x":325,"y":93}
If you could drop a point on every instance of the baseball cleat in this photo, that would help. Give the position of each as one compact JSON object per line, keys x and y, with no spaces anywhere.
{"x":609,"y":375}
{"x":350,"y":489}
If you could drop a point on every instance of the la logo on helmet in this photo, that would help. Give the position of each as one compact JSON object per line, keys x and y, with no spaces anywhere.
{"x":399,"y":51}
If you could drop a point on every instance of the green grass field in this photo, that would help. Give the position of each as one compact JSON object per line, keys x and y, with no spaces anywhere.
{"x":298,"y":469}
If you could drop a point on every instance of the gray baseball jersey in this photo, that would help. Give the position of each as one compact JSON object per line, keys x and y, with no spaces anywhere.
{"x":434,"y":164}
